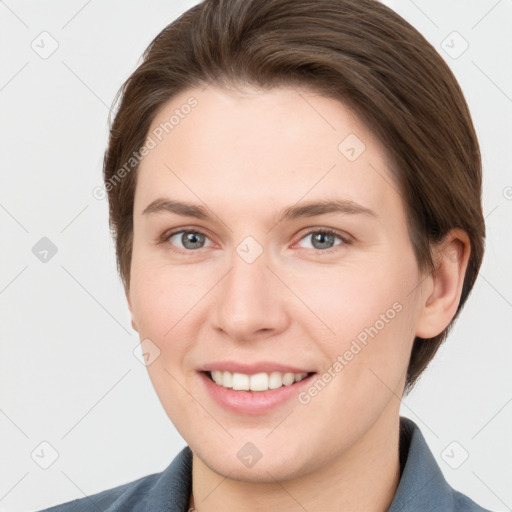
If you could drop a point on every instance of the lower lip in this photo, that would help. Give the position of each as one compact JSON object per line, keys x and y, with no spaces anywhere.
{"x":252,"y":402}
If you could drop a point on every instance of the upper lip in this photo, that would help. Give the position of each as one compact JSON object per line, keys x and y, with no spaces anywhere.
{"x":252,"y":368}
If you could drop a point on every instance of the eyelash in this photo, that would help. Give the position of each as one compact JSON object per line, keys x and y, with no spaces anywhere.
{"x":326,"y":231}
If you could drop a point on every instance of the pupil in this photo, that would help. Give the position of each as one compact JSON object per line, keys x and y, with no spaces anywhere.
{"x":191,"y":240}
{"x":322,"y":237}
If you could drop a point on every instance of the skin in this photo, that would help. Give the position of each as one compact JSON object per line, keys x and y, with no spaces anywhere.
{"x":245,"y":155}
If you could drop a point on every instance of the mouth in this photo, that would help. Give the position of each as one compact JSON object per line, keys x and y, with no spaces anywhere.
{"x":259,"y":382}
{"x":253,"y":388}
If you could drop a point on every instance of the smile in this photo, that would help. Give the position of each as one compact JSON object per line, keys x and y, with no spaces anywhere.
{"x":256,"y":382}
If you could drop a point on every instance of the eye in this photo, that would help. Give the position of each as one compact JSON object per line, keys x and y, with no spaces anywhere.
{"x":322,"y":239}
{"x":189,"y":239}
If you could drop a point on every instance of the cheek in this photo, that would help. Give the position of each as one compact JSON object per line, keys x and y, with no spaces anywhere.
{"x":163,"y":301}
{"x":370,"y":316}
{"x":161,"y":296}
{"x":347,"y":301}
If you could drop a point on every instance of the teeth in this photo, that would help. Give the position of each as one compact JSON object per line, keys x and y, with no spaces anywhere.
{"x":227,"y":381}
{"x":275,"y":380}
{"x":240,"y":381}
{"x":256,"y":382}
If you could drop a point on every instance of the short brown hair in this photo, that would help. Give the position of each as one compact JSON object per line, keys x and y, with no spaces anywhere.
{"x":359,"y":52}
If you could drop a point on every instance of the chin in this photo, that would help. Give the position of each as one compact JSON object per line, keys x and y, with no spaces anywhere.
{"x":268,"y":465}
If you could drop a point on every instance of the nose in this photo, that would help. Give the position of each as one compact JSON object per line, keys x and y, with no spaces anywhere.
{"x":250,"y":302}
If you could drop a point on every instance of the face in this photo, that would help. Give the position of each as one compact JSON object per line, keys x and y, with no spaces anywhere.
{"x":269,"y":239}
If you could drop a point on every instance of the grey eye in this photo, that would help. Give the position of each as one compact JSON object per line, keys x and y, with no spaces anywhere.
{"x":188,"y":239}
{"x":322,"y":239}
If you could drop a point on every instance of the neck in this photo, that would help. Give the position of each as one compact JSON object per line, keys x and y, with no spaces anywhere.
{"x":365,"y":478}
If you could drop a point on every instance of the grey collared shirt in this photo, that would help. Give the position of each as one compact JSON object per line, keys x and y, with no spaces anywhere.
{"x":422,"y":486}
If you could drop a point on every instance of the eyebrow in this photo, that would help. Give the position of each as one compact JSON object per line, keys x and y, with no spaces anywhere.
{"x":301,"y":210}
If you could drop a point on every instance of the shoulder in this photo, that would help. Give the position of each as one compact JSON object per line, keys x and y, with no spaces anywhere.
{"x":168,"y":490}
{"x":422,"y":484}
{"x":126,"y":494}
{"x":462,"y":503}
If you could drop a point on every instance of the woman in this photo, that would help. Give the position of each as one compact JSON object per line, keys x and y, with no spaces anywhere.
{"x":294,"y":191}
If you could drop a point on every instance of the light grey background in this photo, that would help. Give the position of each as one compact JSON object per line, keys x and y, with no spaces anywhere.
{"x":69,"y":375}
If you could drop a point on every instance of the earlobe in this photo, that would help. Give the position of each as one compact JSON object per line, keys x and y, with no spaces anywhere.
{"x":443,"y":296}
{"x":134,"y":324}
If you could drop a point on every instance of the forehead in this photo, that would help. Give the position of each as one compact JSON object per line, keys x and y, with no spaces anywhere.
{"x":260,"y":147}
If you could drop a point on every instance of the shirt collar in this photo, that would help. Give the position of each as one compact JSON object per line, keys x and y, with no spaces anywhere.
{"x":422,"y":485}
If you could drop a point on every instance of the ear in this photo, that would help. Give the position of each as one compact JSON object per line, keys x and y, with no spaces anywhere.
{"x":444,"y":285}
{"x":134,"y":324}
